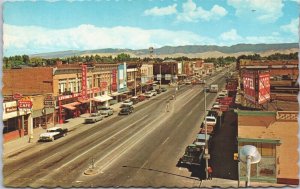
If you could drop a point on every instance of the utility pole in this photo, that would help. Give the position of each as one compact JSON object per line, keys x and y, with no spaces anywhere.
{"x":205,"y":125}
{"x":135,"y":81}
{"x":160,"y":75}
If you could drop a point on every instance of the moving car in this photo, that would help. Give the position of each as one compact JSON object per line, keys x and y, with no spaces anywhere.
{"x":53,"y":133}
{"x":94,"y":117}
{"x":106,"y":111}
{"x":126,"y":110}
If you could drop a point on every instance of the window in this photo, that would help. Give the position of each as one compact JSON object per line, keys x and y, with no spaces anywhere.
{"x":267,"y":149}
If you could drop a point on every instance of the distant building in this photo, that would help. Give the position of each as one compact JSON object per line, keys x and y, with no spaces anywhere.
{"x":275,"y":136}
{"x":168,"y":70}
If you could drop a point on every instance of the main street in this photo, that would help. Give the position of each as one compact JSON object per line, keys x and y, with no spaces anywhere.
{"x":139,"y":150}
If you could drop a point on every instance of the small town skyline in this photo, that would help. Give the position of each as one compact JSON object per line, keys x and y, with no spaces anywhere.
{"x":32,"y":27}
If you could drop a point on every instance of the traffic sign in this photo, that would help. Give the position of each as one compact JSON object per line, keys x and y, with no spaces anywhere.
{"x":26,"y":104}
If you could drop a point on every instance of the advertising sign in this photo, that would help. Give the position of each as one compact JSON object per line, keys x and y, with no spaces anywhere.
{"x":249,"y":86}
{"x":49,"y":101}
{"x":264,"y":88}
{"x":84,"y":82}
{"x":179,"y":66}
{"x":26,"y":104}
{"x":114,"y":80}
{"x":122,"y":78}
{"x":17,"y":96}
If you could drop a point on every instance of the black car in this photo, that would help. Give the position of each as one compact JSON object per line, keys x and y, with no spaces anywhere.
{"x":163,"y":89}
{"x":126,"y":110}
{"x":158,"y":91}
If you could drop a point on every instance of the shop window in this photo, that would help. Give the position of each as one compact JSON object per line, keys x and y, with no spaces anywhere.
{"x":267,"y":149}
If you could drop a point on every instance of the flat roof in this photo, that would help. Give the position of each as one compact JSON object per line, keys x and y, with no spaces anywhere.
{"x":267,"y":127}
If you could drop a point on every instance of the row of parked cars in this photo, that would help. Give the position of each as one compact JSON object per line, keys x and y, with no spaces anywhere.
{"x":194,"y":152}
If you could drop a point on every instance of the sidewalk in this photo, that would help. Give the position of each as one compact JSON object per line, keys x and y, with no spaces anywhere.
{"x":22,"y":143}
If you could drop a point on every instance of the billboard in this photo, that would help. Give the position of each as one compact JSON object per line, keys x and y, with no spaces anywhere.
{"x":249,"y":86}
{"x":264,"y":88}
{"x":122,"y":78}
{"x":114,"y":80}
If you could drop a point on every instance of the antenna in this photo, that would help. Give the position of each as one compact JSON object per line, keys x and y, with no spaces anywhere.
{"x":249,"y":154}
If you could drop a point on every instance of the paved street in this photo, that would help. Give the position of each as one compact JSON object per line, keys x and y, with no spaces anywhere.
{"x":139,"y":150}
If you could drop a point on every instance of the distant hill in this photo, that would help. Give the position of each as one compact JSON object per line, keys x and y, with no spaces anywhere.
{"x":187,"y":50}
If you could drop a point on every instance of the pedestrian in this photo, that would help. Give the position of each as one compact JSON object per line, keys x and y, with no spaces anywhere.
{"x":167,"y":106}
{"x":209,"y":170}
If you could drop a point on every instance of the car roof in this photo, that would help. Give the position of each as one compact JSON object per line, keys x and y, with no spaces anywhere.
{"x":54,"y":128}
{"x":202,"y":136}
{"x":210,"y":117}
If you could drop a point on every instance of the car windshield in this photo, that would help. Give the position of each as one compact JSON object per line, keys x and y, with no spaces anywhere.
{"x":103,"y":108}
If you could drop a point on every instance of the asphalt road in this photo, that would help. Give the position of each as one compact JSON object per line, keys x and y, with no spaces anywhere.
{"x":139,"y":150}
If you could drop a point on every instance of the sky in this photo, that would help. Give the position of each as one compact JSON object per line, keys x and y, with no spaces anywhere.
{"x":33,"y":26}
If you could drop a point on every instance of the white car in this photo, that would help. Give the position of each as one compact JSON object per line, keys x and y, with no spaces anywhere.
{"x":105,"y":111}
{"x":53,"y":133}
{"x":127,"y":103}
{"x":94,"y":117}
{"x":148,"y":94}
{"x":210,"y":120}
{"x":154,"y":92}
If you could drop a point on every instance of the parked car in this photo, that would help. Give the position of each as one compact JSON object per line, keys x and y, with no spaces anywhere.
{"x":94,"y":117}
{"x":126,"y":110}
{"x":158,"y":91}
{"x":206,"y":89}
{"x":210,"y":120}
{"x":53,"y":133}
{"x":154,"y":92}
{"x":141,"y":97}
{"x":148,"y":94}
{"x":105,"y":111}
{"x":127,"y":102}
{"x":163,"y":89}
{"x":135,"y":99}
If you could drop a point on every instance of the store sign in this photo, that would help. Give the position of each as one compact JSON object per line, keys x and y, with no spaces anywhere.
{"x":49,"y":101}
{"x":122,"y":77}
{"x":17,"y":96}
{"x":65,"y":97}
{"x":11,"y":109}
{"x":26,"y":104}
{"x":249,"y":86}
{"x":264,"y":88}
{"x":167,"y":76}
{"x":84,"y":82}
{"x":114,"y":80}
{"x":158,"y":77}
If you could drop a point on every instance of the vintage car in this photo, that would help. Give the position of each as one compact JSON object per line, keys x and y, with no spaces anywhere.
{"x":105,"y":111}
{"x":127,"y":102}
{"x":53,"y":133}
{"x":126,"y":110}
{"x":94,"y":117}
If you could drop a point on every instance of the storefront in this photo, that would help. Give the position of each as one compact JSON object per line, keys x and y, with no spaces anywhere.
{"x":42,"y":117}
{"x":102,"y":100}
{"x":15,"y":121}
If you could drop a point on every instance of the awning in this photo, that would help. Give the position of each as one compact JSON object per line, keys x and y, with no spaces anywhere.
{"x":71,"y":106}
{"x":102,"y":98}
{"x":82,"y":100}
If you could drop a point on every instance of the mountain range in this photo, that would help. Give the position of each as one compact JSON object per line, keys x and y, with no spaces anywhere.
{"x":192,"y":51}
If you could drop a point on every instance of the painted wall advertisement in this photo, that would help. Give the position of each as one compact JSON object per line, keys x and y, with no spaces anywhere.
{"x":84,"y":80}
{"x":114,"y":80}
{"x":179,"y":66}
{"x":249,"y":86}
{"x":122,"y":78}
{"x":264,"y":88}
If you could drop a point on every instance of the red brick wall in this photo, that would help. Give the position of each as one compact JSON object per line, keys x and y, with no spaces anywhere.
{"x":27,"y":81}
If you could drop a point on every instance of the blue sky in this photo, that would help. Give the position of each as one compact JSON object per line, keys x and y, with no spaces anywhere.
{"x":45,"y":26}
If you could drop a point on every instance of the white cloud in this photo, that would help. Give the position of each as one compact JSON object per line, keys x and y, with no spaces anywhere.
{"x":192,"y":13}
{"x":230,"y":35}
{"x":265,"y":11}
{"x":292,"y":27}
{"x":33,"y":39}
{"x":156,"y":11}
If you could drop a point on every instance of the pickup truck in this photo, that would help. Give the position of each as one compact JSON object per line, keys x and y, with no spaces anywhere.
{"x":53,"y":133}
{"x":95,"y":117}
{"x":192,"y":155}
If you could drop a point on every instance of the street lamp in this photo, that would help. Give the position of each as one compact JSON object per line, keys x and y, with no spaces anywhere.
{"x":205,"y":126}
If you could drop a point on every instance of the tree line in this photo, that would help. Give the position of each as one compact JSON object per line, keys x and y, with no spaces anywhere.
{"x":24,"y":60}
